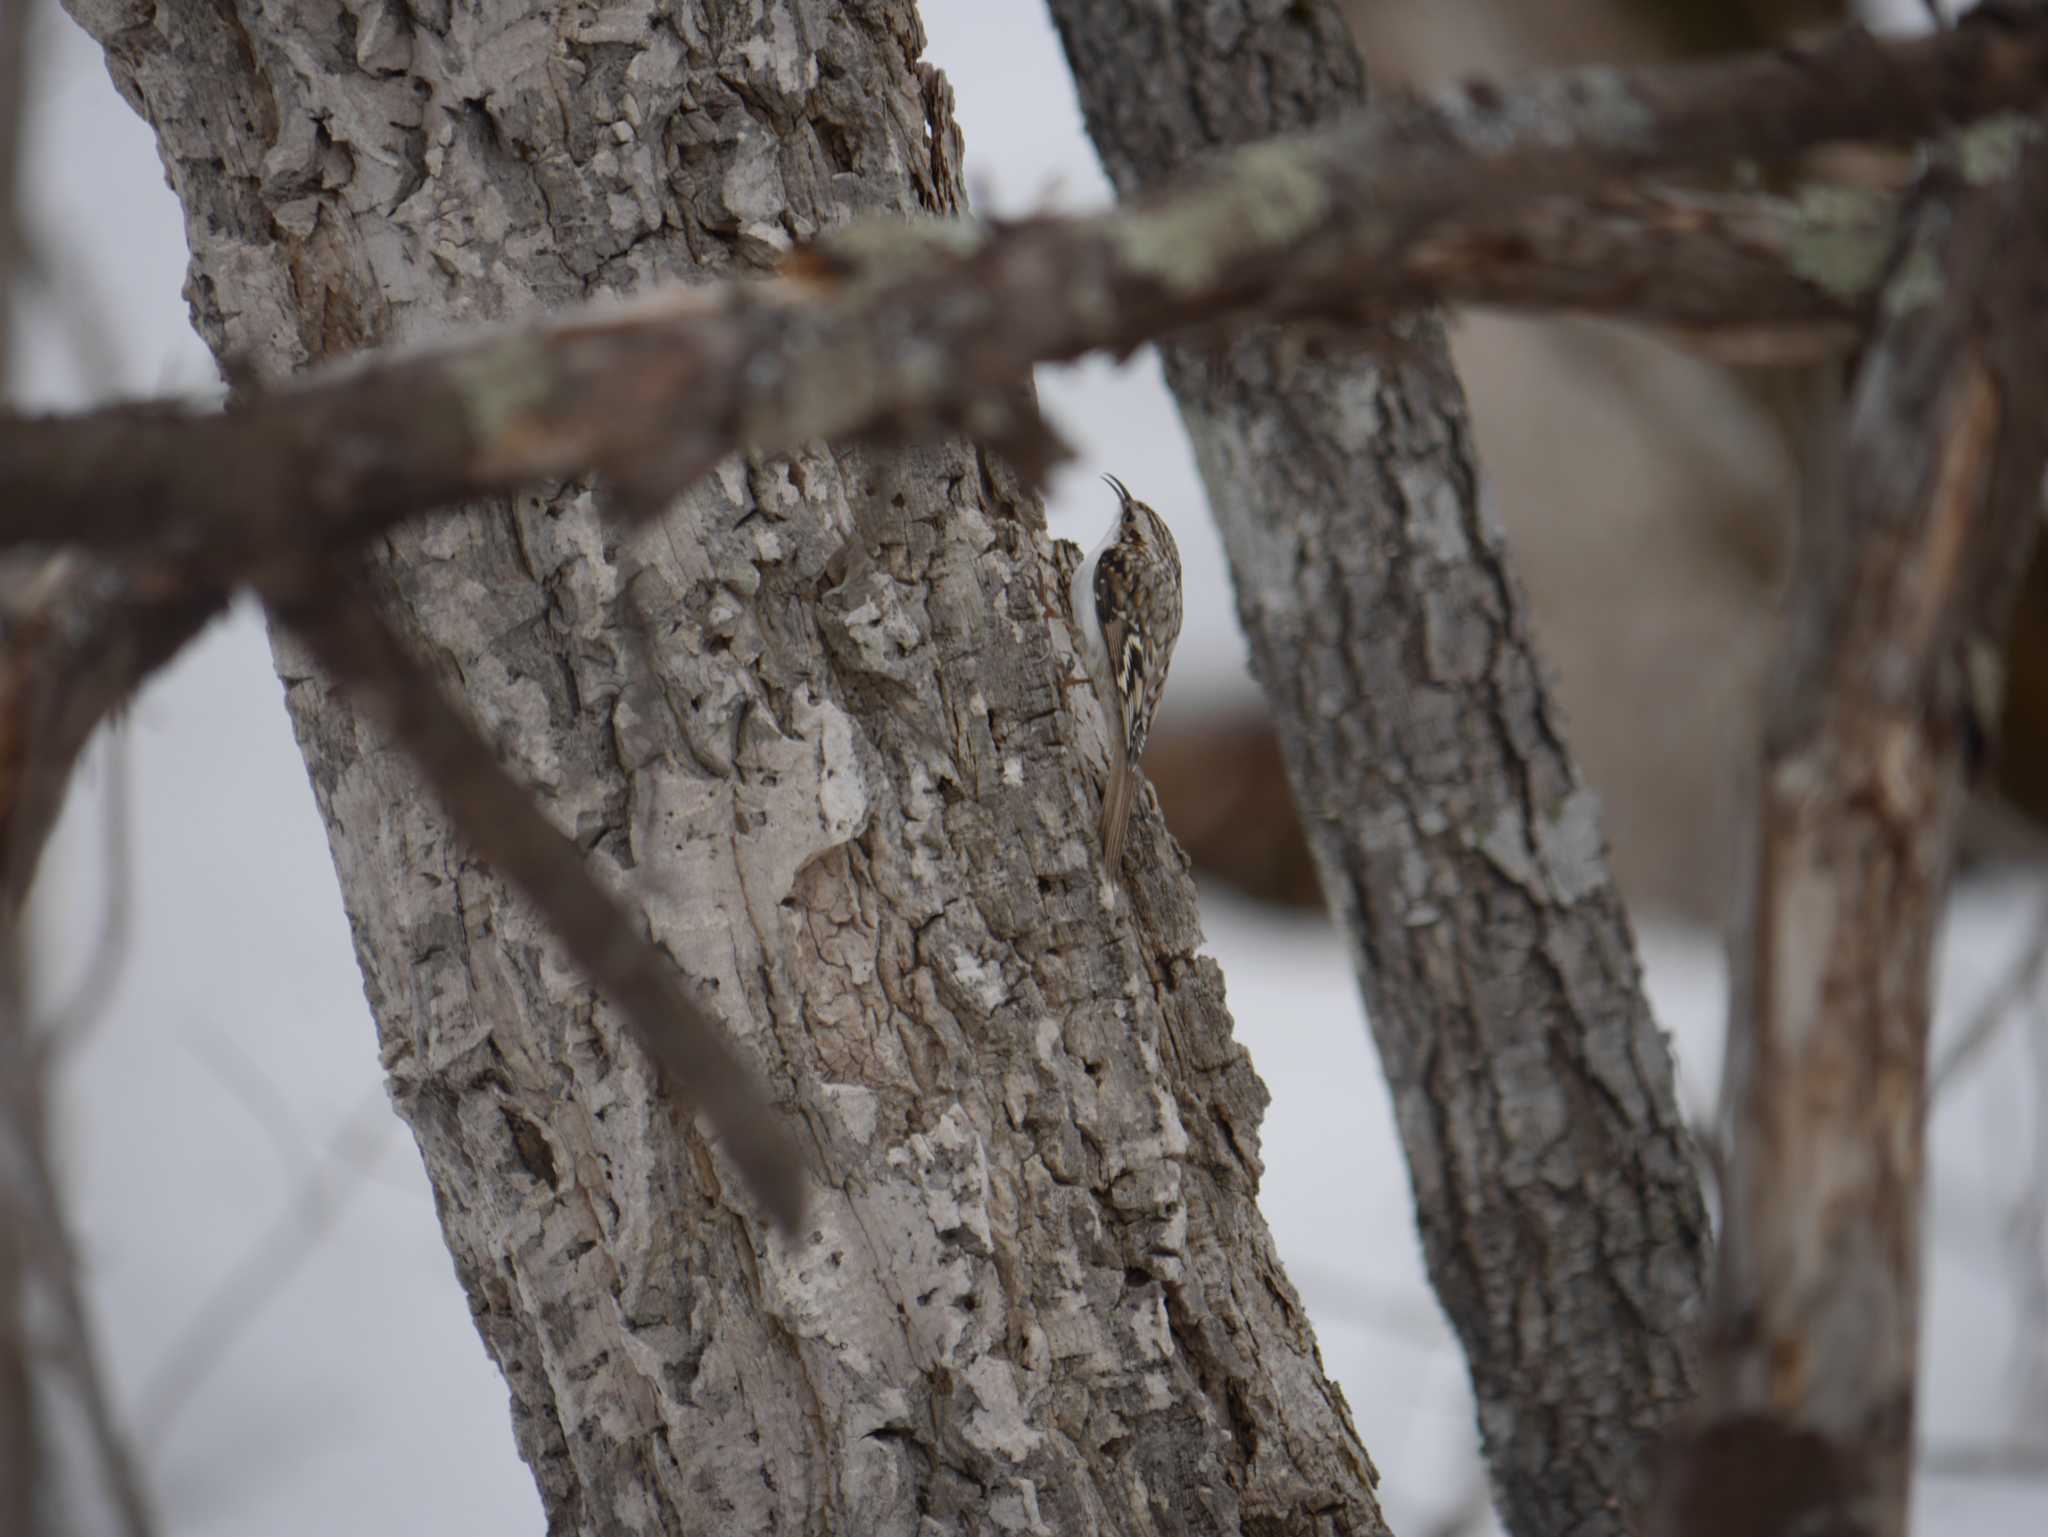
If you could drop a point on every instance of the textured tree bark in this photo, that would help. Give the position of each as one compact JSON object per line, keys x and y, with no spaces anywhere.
{"x":814,"y":727}
{"x":1560,"y":1212}
{"x":1912,"y":557}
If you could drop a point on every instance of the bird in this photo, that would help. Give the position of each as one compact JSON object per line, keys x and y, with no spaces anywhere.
{"x":1126,"y":602}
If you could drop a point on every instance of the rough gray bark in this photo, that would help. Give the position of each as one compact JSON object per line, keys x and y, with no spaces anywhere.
{"x":1911,"y":561}
{"x":814,"y":727}
{"x":1560,"y":1212}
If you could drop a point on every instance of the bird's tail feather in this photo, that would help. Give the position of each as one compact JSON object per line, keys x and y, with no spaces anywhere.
{"x":1117,"y":801}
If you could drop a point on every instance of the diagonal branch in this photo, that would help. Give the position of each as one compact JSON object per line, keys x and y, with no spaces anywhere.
{"x":348,"y":637}
{"x":1911,"y":564}
{"x":1495,"y":193}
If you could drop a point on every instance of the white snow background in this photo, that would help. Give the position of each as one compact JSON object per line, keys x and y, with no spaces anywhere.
{"x":243,"y":1198}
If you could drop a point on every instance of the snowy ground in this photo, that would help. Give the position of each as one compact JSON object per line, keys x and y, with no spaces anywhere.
{"x":258,"y":1238}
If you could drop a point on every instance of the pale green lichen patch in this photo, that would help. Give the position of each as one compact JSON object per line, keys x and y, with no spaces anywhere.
{"x":502,"y":382}
{"x":1262,"y":198}
{"x":1990,"y":151}
{"x":1838,"y":238}
{"x":885,"y":249}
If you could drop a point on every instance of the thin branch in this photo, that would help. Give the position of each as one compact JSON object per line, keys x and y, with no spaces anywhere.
{"x":64,"y":1029}
{"x":262,"y":1274}
{"x":680,"y":1034}
{"x":2021,"y":979}
{"x":908,"y":331}
{"x":2028,"y":1236}
{"x":38,"y":1243}
{"x":88,"y":323}
{"x":76,"y":641}
{"x":2015,"y":1460}
{"x":1911,"y":565}
{"x":262,"y":1100}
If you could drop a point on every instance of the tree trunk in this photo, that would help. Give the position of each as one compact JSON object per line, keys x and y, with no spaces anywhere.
{"x":1913,"y":551}
{"x":1560,"y":1212}
{"x":816,"y":728}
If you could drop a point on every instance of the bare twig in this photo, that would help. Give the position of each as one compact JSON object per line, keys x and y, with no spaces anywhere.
{"x":37,"y":1239}
{"x":1495,"y":193}
{"x":2029,"y":1231}
{"x":261,"y":1098}
{"x":1912,"y":561}
{"x":21,"y":1442}
{"x":2016,"y":1459}
{"x":678,"y":1032}
{"x":76,"y":641}
{"x":310,"y":1213}
{"x":64,"y":1028}
{"x":87,"y":322}
{"x":2021,"y":979}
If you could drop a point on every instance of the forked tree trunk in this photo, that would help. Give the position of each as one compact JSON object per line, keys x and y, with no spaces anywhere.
{"x":815,"y":727}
